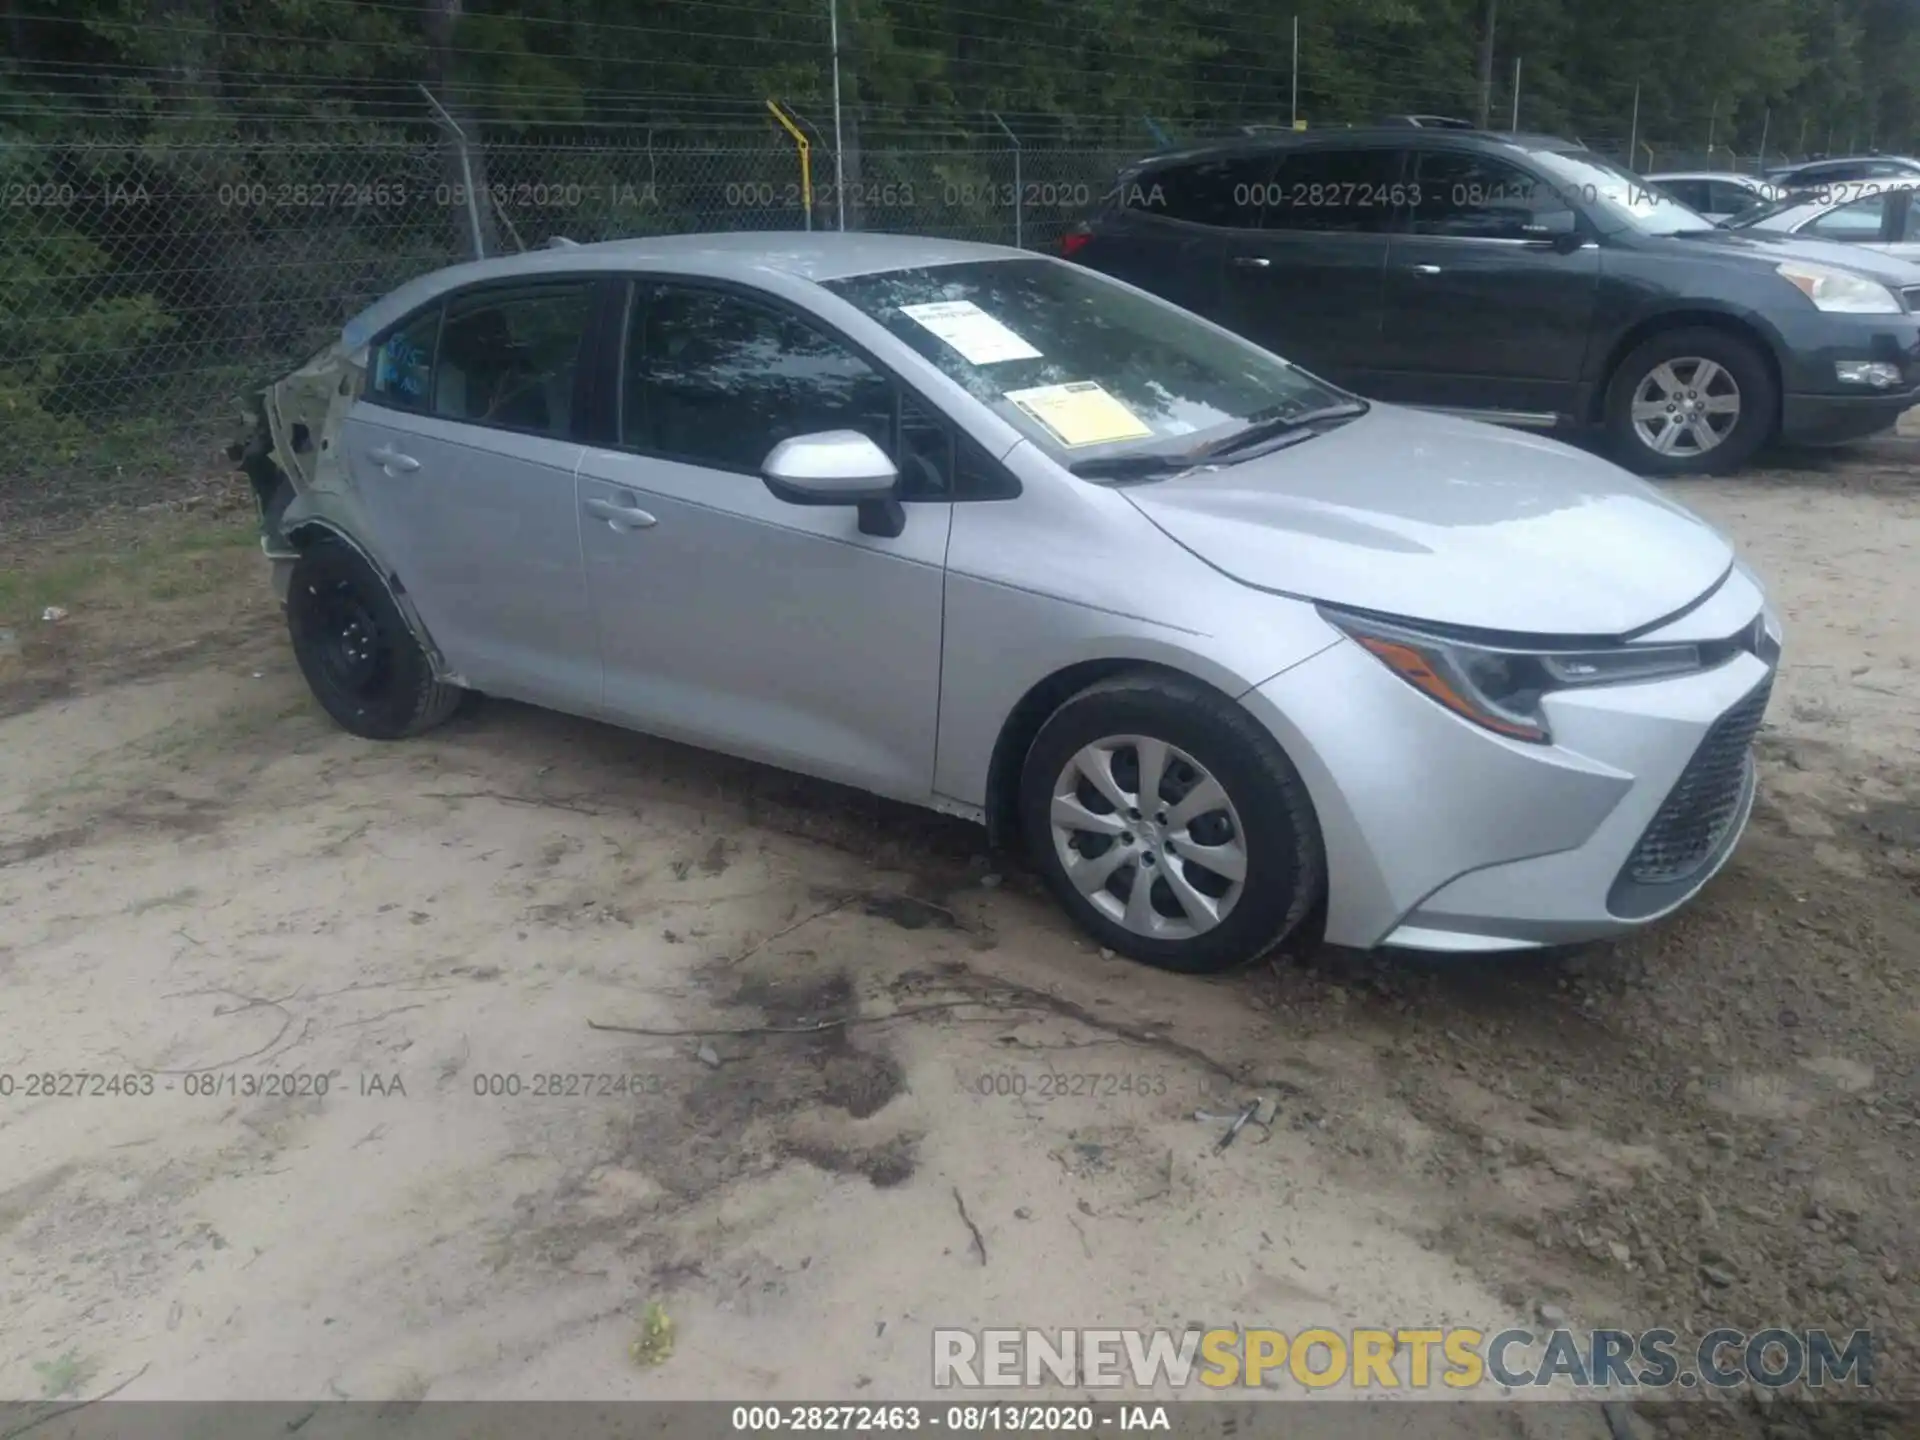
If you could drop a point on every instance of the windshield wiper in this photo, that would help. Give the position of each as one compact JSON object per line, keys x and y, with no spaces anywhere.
{"x":1263,"y":428}
{"x":1140,"y":466}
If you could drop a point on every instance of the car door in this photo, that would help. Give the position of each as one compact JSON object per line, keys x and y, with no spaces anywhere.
{"x":1728,"y":199}
{"x":738,"y":621}
{"x":1872,"y":220}
{"x":462,"y":449}
{"x":1305,"y":279}
{"x":1167,"y":227}
{"x":1906,"y":211}
{"x":1690,"y":192}
{"x":1490,"y":291}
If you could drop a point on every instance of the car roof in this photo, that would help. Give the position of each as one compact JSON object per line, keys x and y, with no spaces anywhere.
{"x":1731,"y":177}
{"x":815,"y":255}
{"x":1361,"y":135}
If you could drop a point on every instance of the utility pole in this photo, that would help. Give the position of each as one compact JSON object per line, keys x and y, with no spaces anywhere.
{"x":1486,"y":62}
{"x":1296,"y":72}
{"x":839,"y":143}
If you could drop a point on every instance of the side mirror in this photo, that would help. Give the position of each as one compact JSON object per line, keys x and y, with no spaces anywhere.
{"x":1556,"y":229}
{"x":838,"y":467}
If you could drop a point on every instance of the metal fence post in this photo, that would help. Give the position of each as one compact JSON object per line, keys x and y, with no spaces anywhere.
{"x":806,"y":158}
{"x":1019,"y":191}
{"x":1295,"y":118}
{"x":466,"y":176}
{"x":839,"y":148}
{"x":1633,"y":134}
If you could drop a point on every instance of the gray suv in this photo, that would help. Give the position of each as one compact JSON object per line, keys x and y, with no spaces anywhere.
{"x":1521,"y":279}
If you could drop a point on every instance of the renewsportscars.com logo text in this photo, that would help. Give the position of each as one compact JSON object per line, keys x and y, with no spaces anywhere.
{"x":1374,"y":1359}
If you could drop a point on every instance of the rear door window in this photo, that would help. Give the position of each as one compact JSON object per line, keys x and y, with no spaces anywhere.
{"x":1725,"y":198}
{"x":402,"y":371}
{"x":1694,"y":194}
{"x":1224,"y":191}
{"x":508,"y":358}
{"x":1470,"y":196}
{"x":1857,"y":222}
{"x":1349,"y":191}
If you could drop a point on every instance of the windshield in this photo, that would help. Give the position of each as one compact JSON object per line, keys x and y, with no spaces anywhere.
{"x":1077,"y":363}
{"x":1755,"y":216}
{"x":1618,"y":194}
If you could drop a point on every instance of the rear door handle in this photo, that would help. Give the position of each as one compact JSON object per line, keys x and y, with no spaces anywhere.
{"x":619,"y":516}
{"x":393,"y":461}
{"x":1424,"y":269}
{"x":1252,"y":262}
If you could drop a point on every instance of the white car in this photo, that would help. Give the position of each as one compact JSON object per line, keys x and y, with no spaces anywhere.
{"x":1716,"y":194}
{"x":1885,"y":219}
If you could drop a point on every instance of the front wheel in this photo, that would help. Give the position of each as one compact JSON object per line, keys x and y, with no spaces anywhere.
{"x":1691,"y":402}
{"x":353,"y":645}
{"x":1170,"y":824}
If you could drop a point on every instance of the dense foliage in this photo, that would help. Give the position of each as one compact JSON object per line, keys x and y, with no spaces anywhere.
{"x":1814,"y":74}
{"x":197,"y":191}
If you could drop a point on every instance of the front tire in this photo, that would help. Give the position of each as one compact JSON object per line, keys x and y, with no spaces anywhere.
{"x":1170,"y":825}
{"x":356,"y":651}
{"x":1694,"y":401}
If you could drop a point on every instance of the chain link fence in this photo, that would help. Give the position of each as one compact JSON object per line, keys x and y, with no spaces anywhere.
{"x":147,"y":289}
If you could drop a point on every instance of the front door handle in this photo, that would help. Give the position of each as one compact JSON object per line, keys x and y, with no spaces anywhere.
{"x":1252,"y":262}
{"x":394,"y":462}
{"x":618,"y":516}
{"x":1424,"y":269}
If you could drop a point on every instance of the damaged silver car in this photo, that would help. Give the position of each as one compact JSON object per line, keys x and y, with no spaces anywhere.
{"x":1230,"y":650}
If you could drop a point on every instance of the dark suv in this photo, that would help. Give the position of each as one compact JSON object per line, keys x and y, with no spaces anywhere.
{"x":1521,"y":279}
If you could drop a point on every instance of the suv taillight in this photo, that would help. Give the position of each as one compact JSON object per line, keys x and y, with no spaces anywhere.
{"x":1075,"y":240}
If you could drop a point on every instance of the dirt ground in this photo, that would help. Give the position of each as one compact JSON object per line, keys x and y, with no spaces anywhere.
{"x":204,"y":884}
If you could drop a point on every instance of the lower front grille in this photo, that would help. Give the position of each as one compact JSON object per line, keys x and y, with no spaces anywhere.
{"x":1705,"y":800}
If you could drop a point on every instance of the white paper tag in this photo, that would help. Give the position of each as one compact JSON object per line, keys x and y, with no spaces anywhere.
{"x":980,"y":339}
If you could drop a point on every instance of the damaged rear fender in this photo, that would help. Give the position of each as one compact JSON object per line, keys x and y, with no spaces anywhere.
{"x":313,"y":517}
{"x":304,"y":487}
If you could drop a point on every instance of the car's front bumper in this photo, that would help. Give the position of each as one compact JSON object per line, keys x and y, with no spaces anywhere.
{"x":1836,"y":419}
{"x":1816,"y":407}
{"x":1443,"y":836}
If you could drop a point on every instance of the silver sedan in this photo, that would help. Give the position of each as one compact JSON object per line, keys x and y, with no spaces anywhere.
{"x":1879,"y":215}
{"x":1231,"y":652}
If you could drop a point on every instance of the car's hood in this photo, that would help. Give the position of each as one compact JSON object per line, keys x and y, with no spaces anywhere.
{"x":1770,"y":247}
{"x":1446,"y":520}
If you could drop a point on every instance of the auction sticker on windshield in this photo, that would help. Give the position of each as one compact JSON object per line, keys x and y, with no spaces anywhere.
{"x":1081,"y":413}
{"x":980,"y":339}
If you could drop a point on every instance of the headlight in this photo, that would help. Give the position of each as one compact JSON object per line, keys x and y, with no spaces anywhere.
{"x":1839,"y":292}
{"x":1501,"y":689}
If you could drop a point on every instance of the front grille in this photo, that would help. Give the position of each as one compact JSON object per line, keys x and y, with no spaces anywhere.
{"x":1684,"y":835}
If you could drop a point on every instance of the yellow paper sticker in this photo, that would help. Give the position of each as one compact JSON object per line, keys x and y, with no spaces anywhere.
{"x":1081,"y":413}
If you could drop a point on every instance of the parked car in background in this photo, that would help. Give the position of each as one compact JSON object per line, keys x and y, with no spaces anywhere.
{"x":1715,"y":194}
{"x":1849,"y":170}
{"x":1524,"y":280}
{"x":1887,"y":220}
{"x":991,"y":533}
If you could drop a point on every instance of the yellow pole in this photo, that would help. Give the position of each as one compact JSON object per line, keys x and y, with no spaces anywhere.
{"x":806,"y":158}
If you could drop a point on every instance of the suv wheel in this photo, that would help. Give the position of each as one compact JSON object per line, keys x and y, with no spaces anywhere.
{"x":1691,"y":402}
{"x":353,"y":645}
{"x":1170,"y":825}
